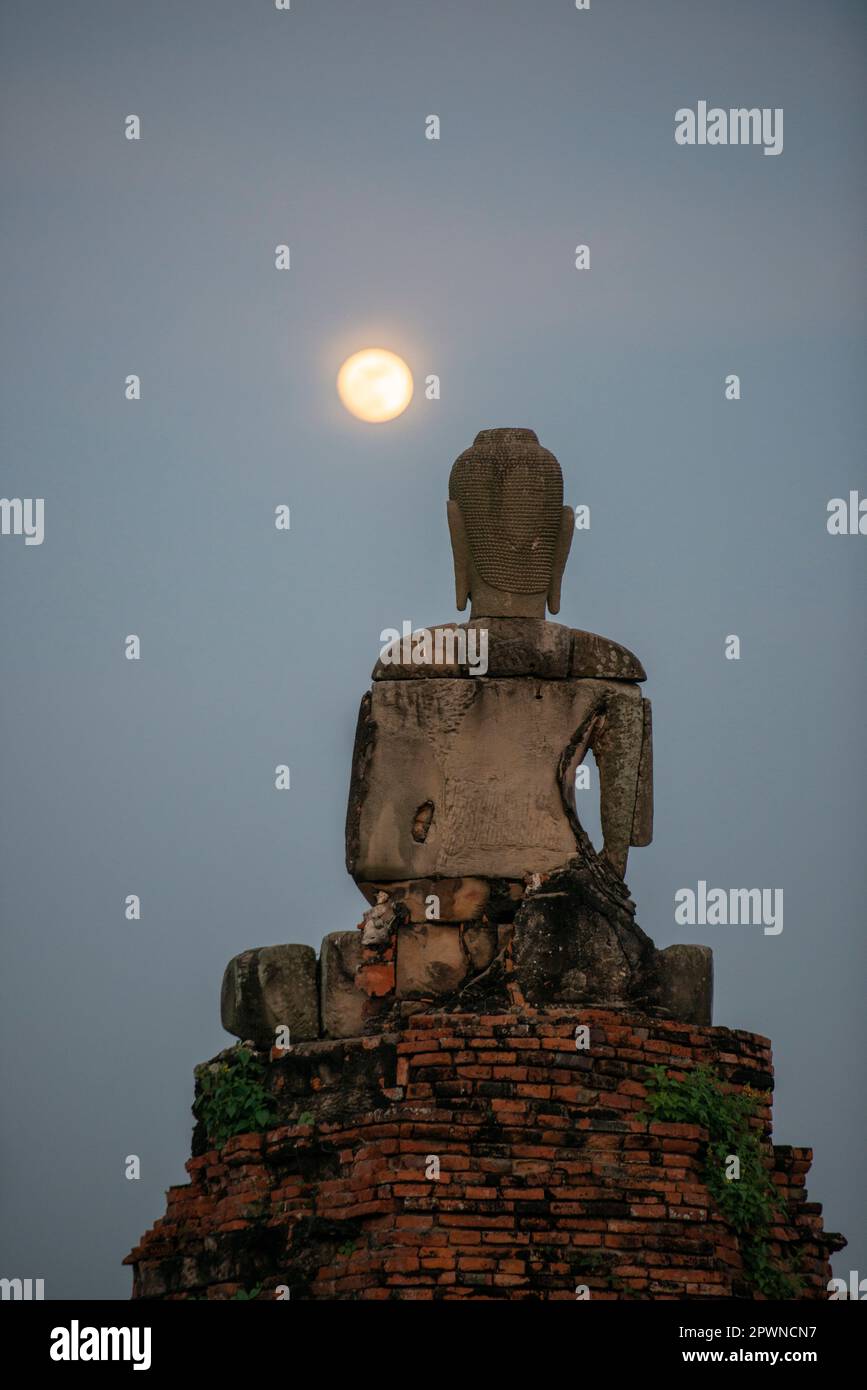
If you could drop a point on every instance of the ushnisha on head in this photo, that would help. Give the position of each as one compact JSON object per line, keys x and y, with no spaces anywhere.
{"x":509,"y":529}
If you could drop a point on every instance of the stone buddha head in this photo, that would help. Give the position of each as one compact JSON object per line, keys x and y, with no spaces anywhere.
{"x":509,"y":530}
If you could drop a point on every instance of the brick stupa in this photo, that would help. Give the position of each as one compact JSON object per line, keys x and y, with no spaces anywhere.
{"x":462,"y":1098}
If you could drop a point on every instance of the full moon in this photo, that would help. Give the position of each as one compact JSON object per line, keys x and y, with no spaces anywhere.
{"x":375,"y":385}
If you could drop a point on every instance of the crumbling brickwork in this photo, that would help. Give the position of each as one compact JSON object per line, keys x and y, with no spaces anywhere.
{"x":550,"y":1177}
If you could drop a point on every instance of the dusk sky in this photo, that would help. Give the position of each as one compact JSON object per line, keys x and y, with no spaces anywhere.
{"x":708,"y":516}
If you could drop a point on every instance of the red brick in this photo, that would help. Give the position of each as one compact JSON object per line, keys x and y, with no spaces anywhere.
{"x":470,"y":1234}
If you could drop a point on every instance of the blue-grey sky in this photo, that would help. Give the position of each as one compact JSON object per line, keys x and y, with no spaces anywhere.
{"x":708,"y":516}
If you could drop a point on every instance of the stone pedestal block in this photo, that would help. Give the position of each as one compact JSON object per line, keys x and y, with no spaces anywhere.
{"x":431,"y":960}
{"x":269,"y":987}
{"x":685,"y":975}
{"x":341,"y":1001}
{"x":457,"y":899}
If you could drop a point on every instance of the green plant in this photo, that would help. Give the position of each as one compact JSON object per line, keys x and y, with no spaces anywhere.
{"x":750,"y":1204}
{"x":306,"y":1118}
{"x":232,"y":1098}
{"x":246,"y":1295}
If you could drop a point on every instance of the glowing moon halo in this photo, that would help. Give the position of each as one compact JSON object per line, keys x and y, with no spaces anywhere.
{"x":375,"y":385}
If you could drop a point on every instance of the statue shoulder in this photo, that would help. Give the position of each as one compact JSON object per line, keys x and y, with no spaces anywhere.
{"x":504,"y":647}
{"x":598,"y":658}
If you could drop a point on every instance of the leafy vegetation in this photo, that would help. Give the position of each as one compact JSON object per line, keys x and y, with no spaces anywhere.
{"x":751,"y":1203}
{"x":232,"y":1098}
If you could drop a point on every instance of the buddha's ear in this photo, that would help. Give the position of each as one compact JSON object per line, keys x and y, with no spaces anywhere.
{"x":561,"y":555}
{"x":460,"y":553}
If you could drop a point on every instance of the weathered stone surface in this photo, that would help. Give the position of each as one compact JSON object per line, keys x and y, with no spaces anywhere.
{"x":480,"y":943}
{"x":572,"y":945}
{"x":505,"y":935}
{"x":460,"y":899}
{"x":431,"y":960}
{"x":510,"y":647}
{"x":617,"y":750}
{"x":642,"y":820}
{"x":685,"y":975}
{"x":526,"y":647}
{"x":271,"y":987}
{"x":342,"y":1003}
{"x":488,"y":759}
{"x":515,"y":647}
{"x":397,"y":661}
{"x":601,"y":659}
{"x":362,"y":755}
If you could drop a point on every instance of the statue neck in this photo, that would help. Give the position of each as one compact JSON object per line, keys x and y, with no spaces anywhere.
{"x":488,"y":602}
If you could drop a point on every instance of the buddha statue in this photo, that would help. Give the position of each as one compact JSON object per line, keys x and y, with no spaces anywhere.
{"x":462,"y":830}
{"x":486,"y":762}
